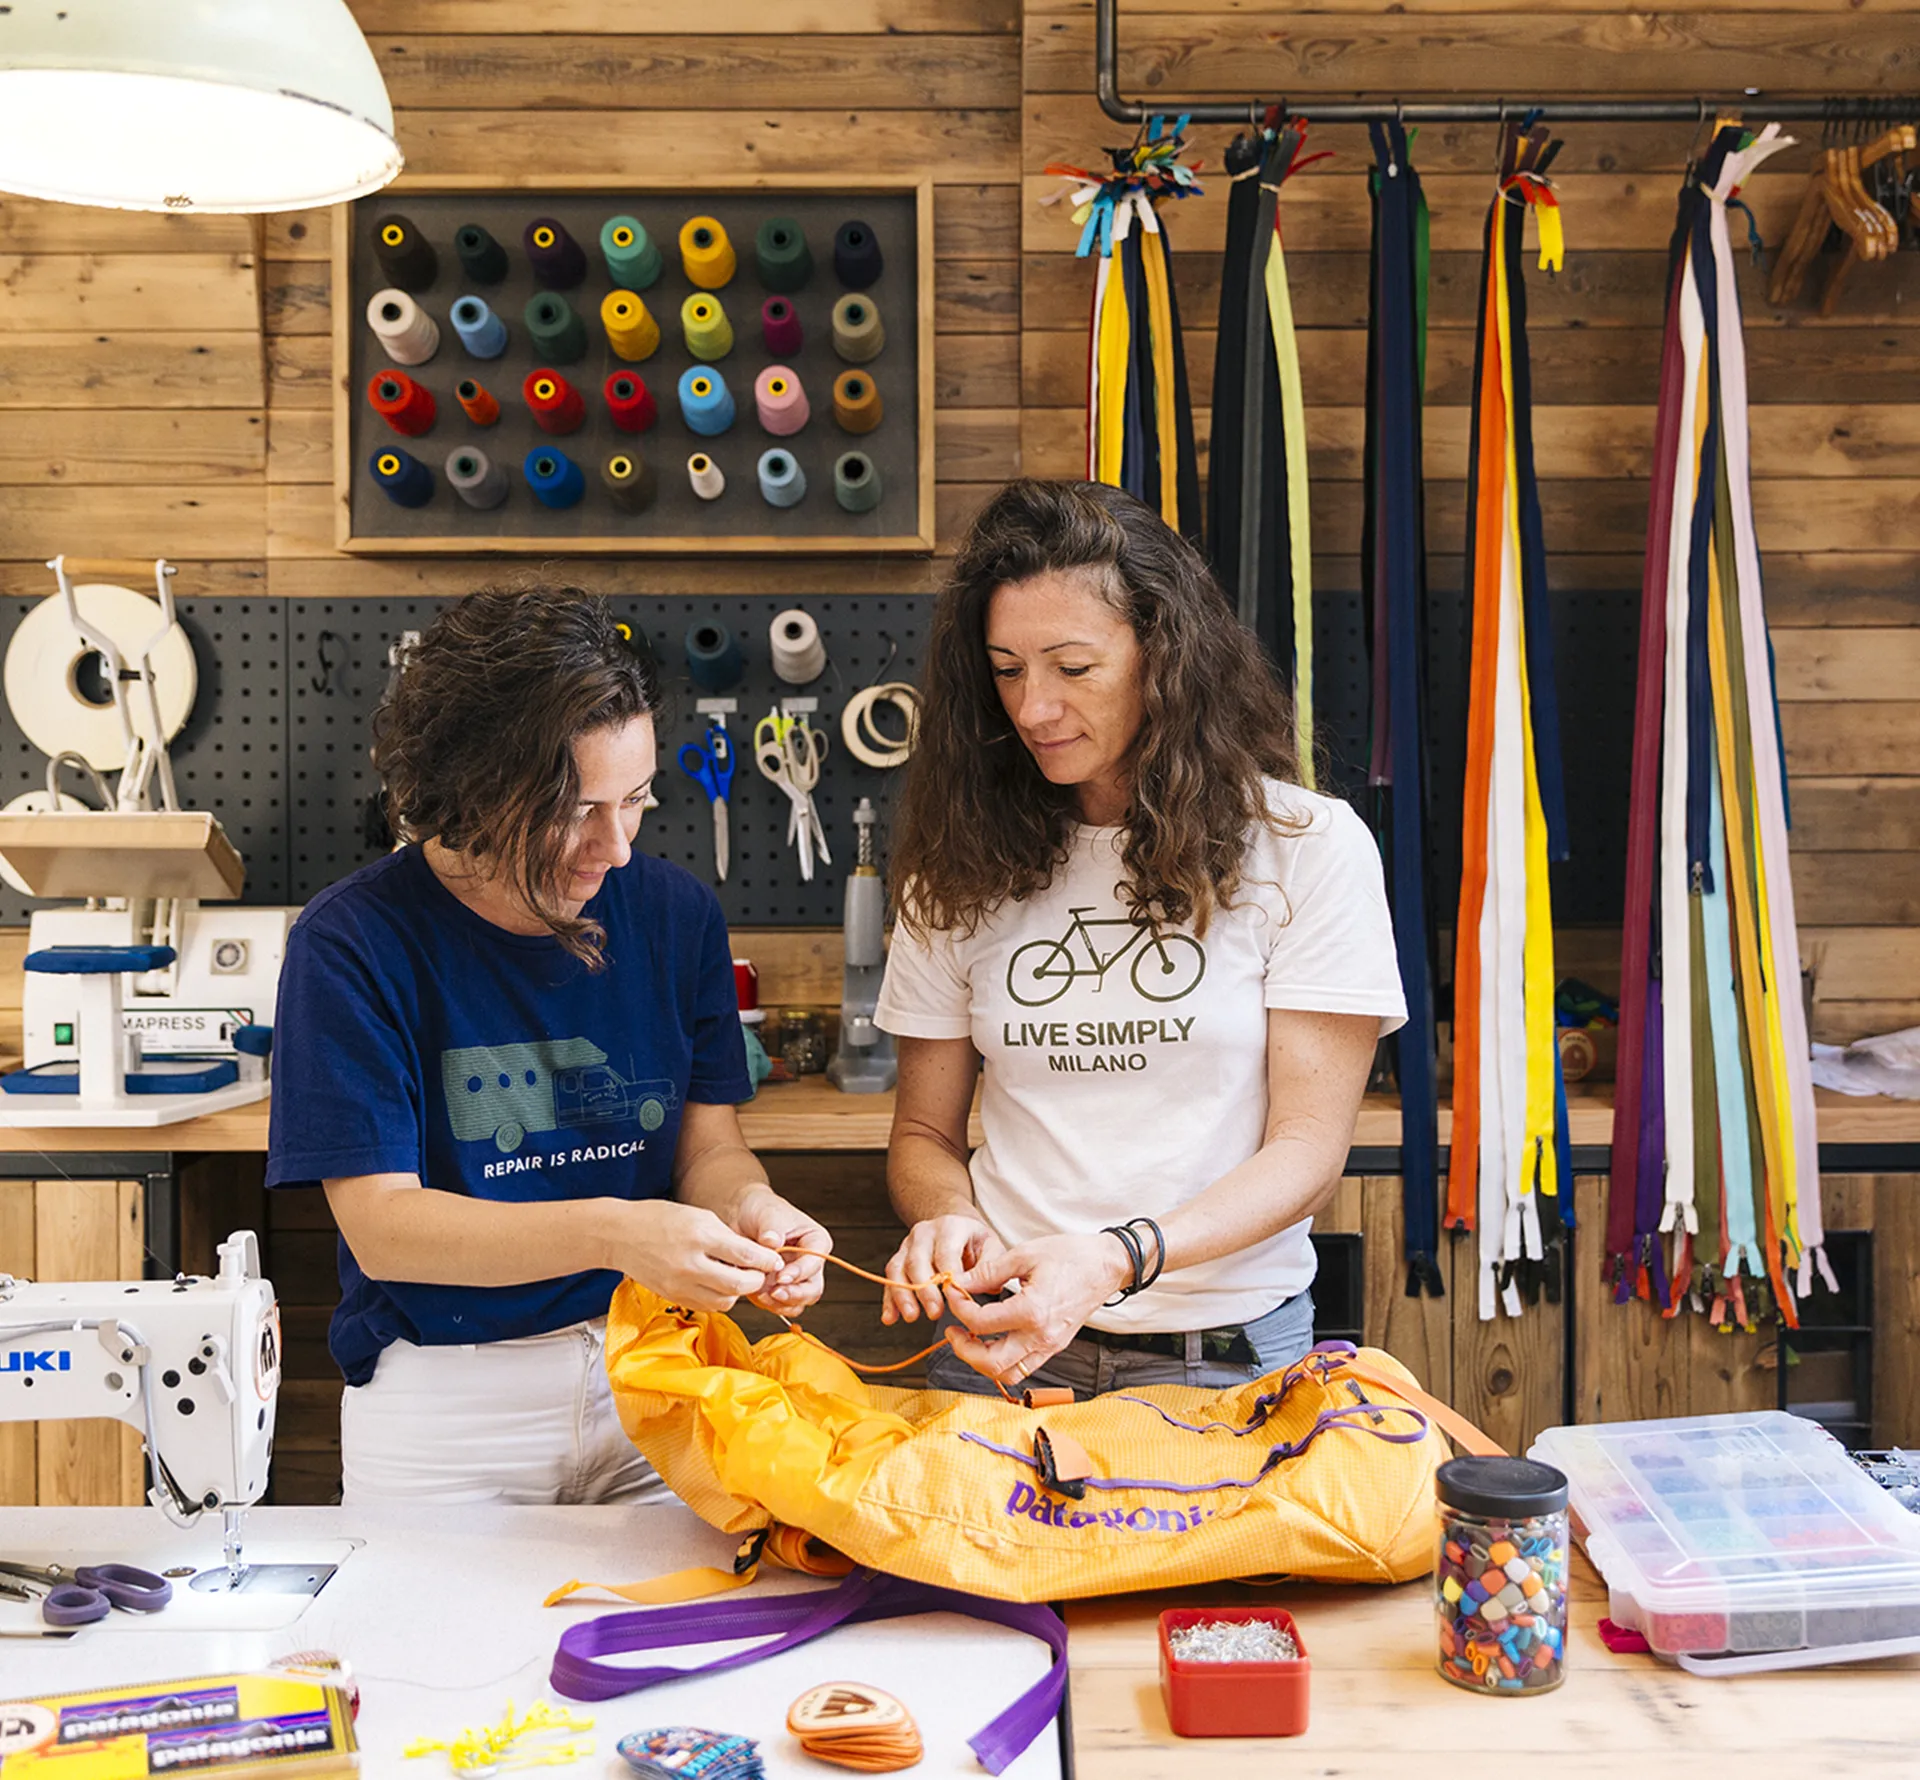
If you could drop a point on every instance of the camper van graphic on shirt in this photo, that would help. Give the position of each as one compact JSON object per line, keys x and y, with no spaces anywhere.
{"x":501,"y":1092}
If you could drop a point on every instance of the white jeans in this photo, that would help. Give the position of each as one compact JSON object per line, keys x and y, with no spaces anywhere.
{"x":527,"y":1421}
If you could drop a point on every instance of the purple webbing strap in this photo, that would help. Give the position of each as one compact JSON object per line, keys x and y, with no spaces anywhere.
{"x":790,"y":1620}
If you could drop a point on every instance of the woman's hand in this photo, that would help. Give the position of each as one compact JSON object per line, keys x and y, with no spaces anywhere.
{"x":766,"y":1218}
{"x":1062,"y":1279}
{"x":688,"y":1255}
{"x":949,"y":1244}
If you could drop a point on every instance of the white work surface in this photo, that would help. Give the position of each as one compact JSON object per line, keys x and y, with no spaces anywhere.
{"x":438,"y":1611}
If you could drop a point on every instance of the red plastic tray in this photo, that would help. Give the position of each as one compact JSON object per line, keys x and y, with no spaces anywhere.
{"x":1234,"y":1699}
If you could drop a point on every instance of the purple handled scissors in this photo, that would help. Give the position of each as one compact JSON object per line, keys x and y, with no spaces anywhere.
{"x":83,"y":1595}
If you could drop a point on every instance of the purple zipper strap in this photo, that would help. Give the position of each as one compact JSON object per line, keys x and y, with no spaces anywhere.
{"x":790,"y":1620}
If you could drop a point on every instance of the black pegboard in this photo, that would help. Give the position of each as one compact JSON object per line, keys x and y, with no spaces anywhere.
{"x":867,"y":637}
{"x":231,"y":756}
{"x":741,"y":518}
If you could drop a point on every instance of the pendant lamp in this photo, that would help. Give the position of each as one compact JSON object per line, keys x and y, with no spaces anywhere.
{"x":191,"y":105}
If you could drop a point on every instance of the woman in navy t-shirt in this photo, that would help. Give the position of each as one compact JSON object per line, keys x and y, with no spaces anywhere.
{"x":510,"y":1052}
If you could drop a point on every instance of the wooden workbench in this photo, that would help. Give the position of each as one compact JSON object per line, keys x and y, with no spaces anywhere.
{"x":1379,"y":1711}
{"x":811,"y":1114}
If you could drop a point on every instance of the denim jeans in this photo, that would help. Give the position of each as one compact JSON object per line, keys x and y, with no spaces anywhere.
{"x":1086,"y":1368}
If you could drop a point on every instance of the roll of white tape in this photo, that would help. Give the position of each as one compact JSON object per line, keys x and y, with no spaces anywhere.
{"x":798,"y":653}
{"x":49,"y":682}
{"x":863,"y":737}
{"x":408,"y":334}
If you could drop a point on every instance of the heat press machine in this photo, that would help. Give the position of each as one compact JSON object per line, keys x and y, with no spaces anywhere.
{"x":145,"y":1006}
{"x":192,"y":1362}
{"x":864,"y":1062}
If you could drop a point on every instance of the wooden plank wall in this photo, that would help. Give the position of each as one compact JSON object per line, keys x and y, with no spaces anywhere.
{"x":167,"y":379}
{"x":1835,"y":423}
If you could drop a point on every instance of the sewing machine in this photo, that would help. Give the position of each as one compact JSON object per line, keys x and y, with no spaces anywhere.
{"x":192,"y":1362}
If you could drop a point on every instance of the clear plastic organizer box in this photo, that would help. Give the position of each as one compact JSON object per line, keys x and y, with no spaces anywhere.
{"x":1734,"y":1535}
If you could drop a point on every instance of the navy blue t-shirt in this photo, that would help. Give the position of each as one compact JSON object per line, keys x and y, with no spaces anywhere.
{"x":416,"y":1037}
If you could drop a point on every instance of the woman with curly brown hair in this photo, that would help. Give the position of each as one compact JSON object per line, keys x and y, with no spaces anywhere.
{"x":510,"y":1052}
{"x":1173,"y":962}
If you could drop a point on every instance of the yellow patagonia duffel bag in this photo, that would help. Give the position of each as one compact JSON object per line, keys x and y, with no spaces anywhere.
{"x":1324,"y":1470}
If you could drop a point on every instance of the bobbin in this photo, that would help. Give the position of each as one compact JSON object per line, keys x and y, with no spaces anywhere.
{"x":631,"y":330}
{"x":559,"y":335}
{"x":554,"y":478}
{"x":630,"y":403}
{"x":405,"y":255}
{"x":407,"y":333}
{"x":476,"y":478}
{"x":556,"y":406}
{"x":558,"y":261}
{"x":782,"y":481}
{"x":703,"y":320}
{"x":706,"y":254}
{"x":482,"y":258}
{"x":858,"y":333}
{"x":856,"y":402}
{"x":781,"y":401}
{"x":706,"y":404}
{"x":481,"y":332}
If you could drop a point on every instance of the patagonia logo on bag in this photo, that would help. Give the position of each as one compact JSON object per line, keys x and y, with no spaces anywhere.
{"x":1028,"y":1503}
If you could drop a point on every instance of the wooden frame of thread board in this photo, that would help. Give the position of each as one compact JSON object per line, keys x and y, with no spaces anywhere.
{"x":741,"y":521}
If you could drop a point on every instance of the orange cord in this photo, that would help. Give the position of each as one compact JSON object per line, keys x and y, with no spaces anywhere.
{"x":880,"y":1279}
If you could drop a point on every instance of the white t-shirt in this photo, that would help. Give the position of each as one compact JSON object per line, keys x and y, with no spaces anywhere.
{"x":1126,"y":1074}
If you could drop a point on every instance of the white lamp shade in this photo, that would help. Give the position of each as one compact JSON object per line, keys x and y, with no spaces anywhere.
{"x":207,"y":105}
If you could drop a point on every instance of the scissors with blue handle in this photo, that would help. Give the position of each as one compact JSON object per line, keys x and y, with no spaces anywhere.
{"x":89,"y":1593}
{"x":711,"y":768}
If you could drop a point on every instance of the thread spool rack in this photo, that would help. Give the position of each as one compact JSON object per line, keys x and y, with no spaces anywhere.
{"x":899,"y":216}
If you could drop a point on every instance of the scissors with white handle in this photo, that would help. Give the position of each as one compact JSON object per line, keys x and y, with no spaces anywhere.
{"x":788,"y":751}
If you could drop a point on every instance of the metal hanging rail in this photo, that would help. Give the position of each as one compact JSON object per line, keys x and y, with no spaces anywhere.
{"x":1862,"y":109}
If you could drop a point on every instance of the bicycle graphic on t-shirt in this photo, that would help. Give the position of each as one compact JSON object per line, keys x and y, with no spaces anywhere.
{"x":1166,"y":967}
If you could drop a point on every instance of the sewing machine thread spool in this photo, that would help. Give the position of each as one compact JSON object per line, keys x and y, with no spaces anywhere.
{"x":628,"y":478}
{"x":559,"y":335}
{"x":782,"y":481}
{"x":632,"y":256}
{"x":780,"y":328}
{"x":856,"y":483}
{"x":558,"y":261}
{"x":406,"y":257}
{"x":780,"y":251}
{"x":858,"y":334}
{"x":781,"y":400}
{"x":407,"y":333}
{"x":706,"y":404}
{"x":481,"y":406}
{"x":630,"y":403}
{"x":556,"y":406}
{"x":631,"y":330}
{"x":856,"y":255}
{"x":482,"y":258}
{"x":856,"y":402}
{"x":715,"y":662}
{"x":404,"y":405}
{"x":708,"y":332}
{"x":481,"y":332}
{"x":706,"y":476}
{"x":795,"y":648}
{"x":555,"y":479}
{"x":402,"y":477}
{"x":476,"y":478}
{"x":706,"y":254}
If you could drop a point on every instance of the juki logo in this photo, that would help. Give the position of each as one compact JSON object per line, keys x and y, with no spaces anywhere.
{"x":48,"y":1359}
